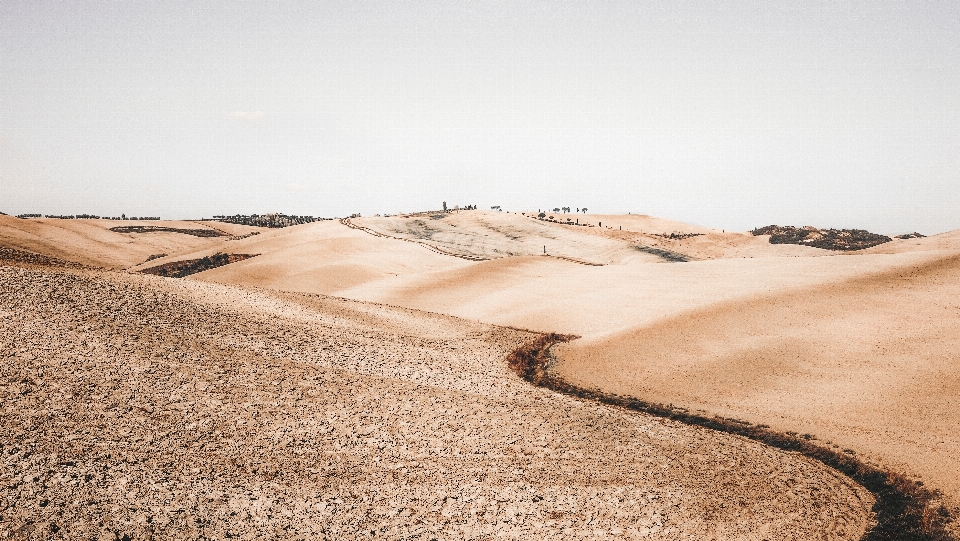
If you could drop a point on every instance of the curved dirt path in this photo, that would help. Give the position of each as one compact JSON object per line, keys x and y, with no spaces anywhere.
{"x":169,"y":408}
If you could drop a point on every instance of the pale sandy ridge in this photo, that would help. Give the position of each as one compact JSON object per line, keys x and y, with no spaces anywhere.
{"x":749,"y":330}
{"x":90,"y":242}
{"x":879,"y":409}
{"x":870,"y":364}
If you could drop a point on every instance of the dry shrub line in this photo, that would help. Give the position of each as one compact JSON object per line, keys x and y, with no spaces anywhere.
{"x":905,"y":509}
{"x":828,"y":239}
{"x":165,"y":229}
{"x":180,"y":269}
{"x":667,"y":255}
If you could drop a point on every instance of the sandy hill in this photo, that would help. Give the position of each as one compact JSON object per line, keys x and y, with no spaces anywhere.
{"x":148,"y":408}
{"x":947,"y":242}
{"x":320,"y":257}
{"x":857,"y":348}
{"x":592,"y":238}
{"x":91,"y":242}
{"x":870,"y":363}
{"x":554,"y":295}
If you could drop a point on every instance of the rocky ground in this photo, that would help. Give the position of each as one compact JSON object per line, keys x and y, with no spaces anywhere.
{"x":140,"y":407}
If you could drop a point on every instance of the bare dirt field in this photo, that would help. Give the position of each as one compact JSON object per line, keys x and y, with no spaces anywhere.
{"x":254,"y":405}
{"x":146,"y":407}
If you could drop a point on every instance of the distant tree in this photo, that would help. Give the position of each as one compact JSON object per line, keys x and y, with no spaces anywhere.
{"x":584,"y":209}
{"x":542,"y":215}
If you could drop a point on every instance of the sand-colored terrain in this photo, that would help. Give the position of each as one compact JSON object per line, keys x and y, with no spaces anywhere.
{"x":591,"y":238}
{"x":605,"y":304}
{"x":871,"y":363}
{"x":321,"y":257}
{"x":151,"y":407}
{"x":90,"y":242}
{"x":856,"y":348}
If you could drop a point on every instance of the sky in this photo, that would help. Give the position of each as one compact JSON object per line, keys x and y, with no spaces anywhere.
{"x":726,"y":114}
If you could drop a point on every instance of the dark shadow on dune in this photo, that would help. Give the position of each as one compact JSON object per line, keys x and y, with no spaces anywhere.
{"x":666,"y":255}
{"x":905,"y":510}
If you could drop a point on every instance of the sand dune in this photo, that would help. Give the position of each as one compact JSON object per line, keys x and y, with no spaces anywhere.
{"x":856,"y":348}
{"x":550,"y":295}
{"x":610,"y":239}
{"x":493,"y":235}
{"x":321,"y":257}
{"x":250,"y":415}
{"x":91,"y":242}
{"x":870,"y":363}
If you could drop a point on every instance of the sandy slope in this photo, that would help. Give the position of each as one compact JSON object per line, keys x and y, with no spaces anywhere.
{"x":949,"y":241}
{"x":871,"y":363}
{"x":622,"y":311}
{"x":173,"y":409}
{"x":91,"y":242}
{"x":843,"y":346}
{"x":321,"y":257}
{"x":496,"y":234}
{"x":610,"y":239}
{"x":550,"y":295}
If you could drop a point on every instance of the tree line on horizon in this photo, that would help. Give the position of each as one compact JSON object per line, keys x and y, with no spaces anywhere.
{"x":274,"y":220}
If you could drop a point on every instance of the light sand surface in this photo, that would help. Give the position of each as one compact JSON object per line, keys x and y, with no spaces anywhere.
{"x":149,"y":408}
{"x":545,"y":294}
{"x":611,"y":239}
{"x":949,"y":241}
{"x":90,"y":242}
{"x":856,"y":348}
{"x":321,"y":257}
{"x":614,"y":307}
{"x":871,"y":363}
{"x":492,"y":235}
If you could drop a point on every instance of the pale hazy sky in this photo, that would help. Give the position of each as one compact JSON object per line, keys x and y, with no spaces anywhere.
{"x":728,"y":114}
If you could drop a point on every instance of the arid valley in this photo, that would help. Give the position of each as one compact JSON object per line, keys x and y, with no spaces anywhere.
{"x":476,"y":374}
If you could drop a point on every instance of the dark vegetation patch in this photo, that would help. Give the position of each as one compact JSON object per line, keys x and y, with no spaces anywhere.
{"x":677,"y":235}
{"x":828,"y":239}
{"x":913,"y":235}
{"x":164,"y":229}
{"x":276,"y":221}
{"x":85,"y":217}
{"x":905,"y":509}
{"x":179,"y":269}
{"x":155,"y":256}
{"x":668,"y":255}
{"x":12,"y":256}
